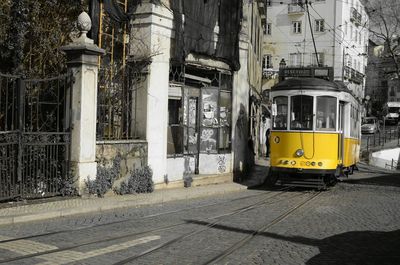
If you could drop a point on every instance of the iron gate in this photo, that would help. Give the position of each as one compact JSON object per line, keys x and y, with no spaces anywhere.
{"x":34,"y":136}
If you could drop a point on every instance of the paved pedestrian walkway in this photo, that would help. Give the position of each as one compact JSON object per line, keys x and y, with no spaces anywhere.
{"x":17,"y":212}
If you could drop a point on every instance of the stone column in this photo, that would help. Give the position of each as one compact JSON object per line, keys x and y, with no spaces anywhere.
{"x":82,"y":60}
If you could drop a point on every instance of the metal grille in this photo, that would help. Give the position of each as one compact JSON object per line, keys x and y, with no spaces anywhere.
{"x":34,"y":136}
{"x":117,"y":104}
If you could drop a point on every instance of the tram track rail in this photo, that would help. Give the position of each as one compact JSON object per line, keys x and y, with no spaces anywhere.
{"x":149,"y":231}
{"x":206,"y":227}
{"x":135,"y":219}
{"x":262,"y":229}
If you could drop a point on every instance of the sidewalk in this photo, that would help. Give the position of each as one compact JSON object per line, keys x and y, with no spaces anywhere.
{"x":387,"y":145}
{"x":18,"y":212}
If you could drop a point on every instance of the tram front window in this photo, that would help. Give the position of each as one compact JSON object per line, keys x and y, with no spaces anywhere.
{"x":326,"y":113}
{"x":301,"y":113}
{"x":280,"y":118}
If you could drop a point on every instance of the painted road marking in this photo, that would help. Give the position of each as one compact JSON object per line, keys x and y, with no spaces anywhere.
{"x":26,"y":247}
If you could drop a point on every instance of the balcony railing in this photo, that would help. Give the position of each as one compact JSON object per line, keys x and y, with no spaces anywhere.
{"x":355,"y":16}
{"x":269,"y":73}
{"x":295,"y":8}
{"x":353,"y":75}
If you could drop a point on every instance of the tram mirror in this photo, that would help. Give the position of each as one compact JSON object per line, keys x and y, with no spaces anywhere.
{"x":274,"y":109}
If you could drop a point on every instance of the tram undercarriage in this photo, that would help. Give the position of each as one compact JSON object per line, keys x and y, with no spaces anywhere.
{"x":318,"y":180}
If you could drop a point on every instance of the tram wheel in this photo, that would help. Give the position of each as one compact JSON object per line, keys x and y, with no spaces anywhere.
{"x":351,"y":170}
{"x":330,"y":180}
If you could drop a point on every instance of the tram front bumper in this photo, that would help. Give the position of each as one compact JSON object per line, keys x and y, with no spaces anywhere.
{"x":303,"y":170}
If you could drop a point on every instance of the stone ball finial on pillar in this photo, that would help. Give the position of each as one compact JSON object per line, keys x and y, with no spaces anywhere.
{"x":84,"y":24}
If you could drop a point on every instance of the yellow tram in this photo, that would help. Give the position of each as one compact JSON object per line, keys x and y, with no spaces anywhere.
{"x":315,"y":135}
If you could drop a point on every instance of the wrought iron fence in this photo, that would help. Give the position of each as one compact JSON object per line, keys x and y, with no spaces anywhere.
{"x":34,"y":136}
{"x":117,"y":103}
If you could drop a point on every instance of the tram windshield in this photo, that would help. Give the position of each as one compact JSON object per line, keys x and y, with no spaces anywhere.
{"x":280,"y":118}
{"x":326,"y":113}
{"x":301,"y":117}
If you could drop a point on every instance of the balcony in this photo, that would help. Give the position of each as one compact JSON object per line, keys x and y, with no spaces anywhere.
{"x":353,"y":75}
{"x":355,"y":17}
{"x":269,"y":73}
{"x":295,"y":8}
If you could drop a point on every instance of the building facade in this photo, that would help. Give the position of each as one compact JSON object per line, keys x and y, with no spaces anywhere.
{"x":193,"y":105}
{"x":376,"y":84}
{"x":332,"y":33}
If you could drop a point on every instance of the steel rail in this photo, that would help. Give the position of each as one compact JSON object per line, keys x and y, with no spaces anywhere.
{"x":240,"y":210}
{"x":264,"y":228}
{"x":190,"y":234}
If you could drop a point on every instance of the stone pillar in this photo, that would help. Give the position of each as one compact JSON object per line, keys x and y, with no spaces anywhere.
{"x":82,"y":60}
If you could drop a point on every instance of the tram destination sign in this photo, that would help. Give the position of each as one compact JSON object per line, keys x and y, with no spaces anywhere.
{"x":317,"y":72}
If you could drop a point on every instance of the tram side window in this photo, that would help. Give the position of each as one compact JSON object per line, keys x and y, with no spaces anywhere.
{"x":280,"y":117}
{"x":326,"y":113}
{"x":301,"y":117}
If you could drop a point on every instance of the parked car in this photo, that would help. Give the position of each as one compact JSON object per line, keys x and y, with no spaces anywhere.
{"x":370,"y":125}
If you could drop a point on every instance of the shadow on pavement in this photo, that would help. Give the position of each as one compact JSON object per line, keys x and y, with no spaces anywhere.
{"x":256,"y":176}
{"x":356,"y":248}
{"x":392,"y":180}
{"x":350,"y":248}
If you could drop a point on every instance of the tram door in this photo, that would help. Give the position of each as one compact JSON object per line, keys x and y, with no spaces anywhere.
{"x":341,"y":130}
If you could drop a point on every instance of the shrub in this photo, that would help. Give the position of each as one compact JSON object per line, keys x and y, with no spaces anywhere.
{"x":68,"y":188}
{"x":140,"y":181}
{"x":105,"y":178}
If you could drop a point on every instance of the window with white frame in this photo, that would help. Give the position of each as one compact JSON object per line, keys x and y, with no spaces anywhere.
{"x":267,"y":62}
{"x":326,"y":113}
{"x":349,"y":61}
{"x":319,"y":25}
{"x":295,"y":59}
{"x":296,"y":25}
{"x":320,"y":56}
{"x":268,"y":29}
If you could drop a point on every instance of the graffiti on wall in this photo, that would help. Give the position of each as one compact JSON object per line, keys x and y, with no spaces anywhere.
{"x":208,"y":140}
{"x":221,"y":164}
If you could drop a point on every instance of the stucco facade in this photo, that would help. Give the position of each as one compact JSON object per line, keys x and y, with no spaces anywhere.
{"x":340,"y":30}
{"x":194,"y":114}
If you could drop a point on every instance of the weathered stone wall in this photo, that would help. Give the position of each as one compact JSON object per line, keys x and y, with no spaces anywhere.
{"x":133,"y":154}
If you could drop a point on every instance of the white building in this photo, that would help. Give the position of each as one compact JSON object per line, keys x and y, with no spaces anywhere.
{"x":193,"y":105}
{"x":340,"y":31}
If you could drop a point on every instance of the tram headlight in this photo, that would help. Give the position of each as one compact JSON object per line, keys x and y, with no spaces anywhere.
{"x":308,"y":163}
{"x":293,"y":163}
{"x":277,"y":139}
{"x":320,"y":164}
{"x":299,"y":152}
{"x":313,"y":164}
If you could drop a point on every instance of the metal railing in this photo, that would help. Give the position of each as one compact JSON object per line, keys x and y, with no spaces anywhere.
{"x":355,"y":16}
{"x":295,"y":8}
{"x":34,"y":136}
{"x":386,"y":136}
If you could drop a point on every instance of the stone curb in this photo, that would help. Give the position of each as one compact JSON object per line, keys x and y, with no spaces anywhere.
{"x":20,"y":214}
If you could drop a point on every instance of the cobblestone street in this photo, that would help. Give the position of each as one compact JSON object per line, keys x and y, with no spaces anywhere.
{"x":355,"y":222}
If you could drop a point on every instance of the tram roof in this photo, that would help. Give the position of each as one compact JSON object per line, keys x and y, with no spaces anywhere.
{"x":309,"y":83}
